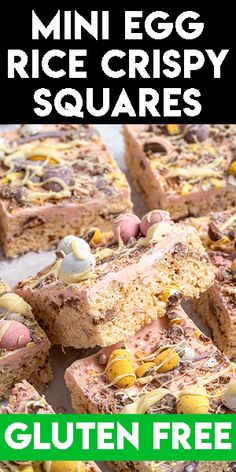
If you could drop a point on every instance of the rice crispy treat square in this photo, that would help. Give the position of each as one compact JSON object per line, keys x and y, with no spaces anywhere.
{"x":56,"y":180}
{"x":189,"y":170}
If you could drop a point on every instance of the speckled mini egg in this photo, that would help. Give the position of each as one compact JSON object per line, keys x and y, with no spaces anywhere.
{"x":145,"y":368}
{"x":120,"y":363}
{"x":64,"y":466}
{"x":13,"y":335}
{"x":168,"y":359}
{"x":125,"y":227}
{"x":193,"y":400}
{"x":65,"y":244}
{"x":73,"y":269}
{"x":151,"y":218}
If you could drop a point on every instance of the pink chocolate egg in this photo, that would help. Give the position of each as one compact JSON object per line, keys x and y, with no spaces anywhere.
{"x":13,"y":335}
{"x":126,"y":226}
{"x":151,"y":218}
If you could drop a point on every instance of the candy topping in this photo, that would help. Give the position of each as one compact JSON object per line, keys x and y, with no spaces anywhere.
{"x":13,"y":335}
{"x":125,"y":227}
{"x":78,"y":262}
{"x":120,"y":368}
{"x":167,"y":360}
{"x":193,"y":400}
{"x":151,"y":218}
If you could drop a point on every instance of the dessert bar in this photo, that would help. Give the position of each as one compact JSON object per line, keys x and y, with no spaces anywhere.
{"x":169,"y":366}
{"x":189,"y":170}
{"x":217,"y":306}
{"x":25,"y":399}
{"x":55,"y":180}
{"x":98,"y":296}
{"x":155,"y":466}
{"x":24,"y":347}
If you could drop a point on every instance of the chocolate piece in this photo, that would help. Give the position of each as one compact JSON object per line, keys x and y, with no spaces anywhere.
{"x":196,"y":133}
{"x":64,"y":173}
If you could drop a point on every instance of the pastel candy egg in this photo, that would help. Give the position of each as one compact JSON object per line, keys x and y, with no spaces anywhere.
{"x":145,"y":369}
{"x":120,"y":368}
{"x":193,"y":400}
{"x":167,"y":360}
{"x":73,"y":270}
{"x":64,"y":466}
{"x":125,"y":227}
{"x":13,"y":335}
{"x":65,"y":244}
{"x":188,"y":354}
{"x":151,"y":218}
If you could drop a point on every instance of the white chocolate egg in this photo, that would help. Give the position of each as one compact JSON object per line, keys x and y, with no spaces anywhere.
{"x":188,"y":354}
{"x":65,"y":244}
{"x":73,"y":270}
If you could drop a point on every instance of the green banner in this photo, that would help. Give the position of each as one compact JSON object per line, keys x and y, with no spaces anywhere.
{"x":118,"y":437}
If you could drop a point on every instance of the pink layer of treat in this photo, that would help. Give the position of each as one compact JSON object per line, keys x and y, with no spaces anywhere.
{"x":81,"y":378}
{"x":13,"y":359}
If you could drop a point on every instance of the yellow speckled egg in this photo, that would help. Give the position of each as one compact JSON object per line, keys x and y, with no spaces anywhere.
{"x":232,"y":168}
{"x":64,"y":466}
{"x":144,"y":368}
{"x":27,"y":468}
{"x":167,"y":359}
{"x":120,"y":366}
{"x":193,"y":400}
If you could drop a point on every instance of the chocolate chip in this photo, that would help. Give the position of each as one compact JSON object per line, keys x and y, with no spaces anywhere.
{"x":213,"y":232}
{"x":33,"y":222}
{"x":14,"y":194}
{"x":196,"y":133}
{"x":63,"y":173}
{"x":154,"y":146}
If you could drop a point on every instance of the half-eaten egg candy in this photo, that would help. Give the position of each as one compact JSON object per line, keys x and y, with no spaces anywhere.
{"x":65,"y":245}
{"x":193,"y":400}
{"x":13,"y":335}
{"x":72,"y":269}
{"x":125,"y":227}
{"x":120,"y":368}
{"x":151,"y":218}
{"x":145,"y":369}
